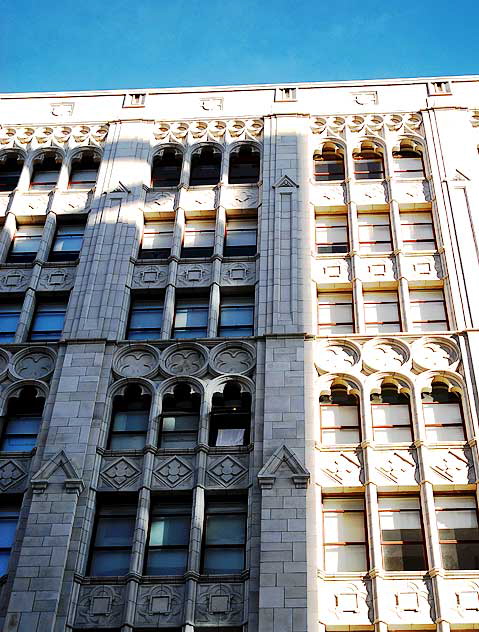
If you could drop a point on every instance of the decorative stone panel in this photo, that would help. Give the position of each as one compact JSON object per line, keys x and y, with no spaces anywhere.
{"x":385,"y":354}
{"x":52,"y":279}
{"x":120,"y":473}
{"x":240,"y":197}
{"x":72,"y":202}
{"x":338,"y":356}
{"x":159,"y":606}
{"x":227,"y":471}
{"x":332,"y":271}
{"x":173,"y":472}
{"x":64,"y":136}
{"x":136,"y":361}
{"x":367,"y":194}
{"x":100,"y":606}
{"x":13,"y":474}
{"x":161,"y":200}
{"x":460,"y":600}
{"x":149,"y":276}
{"x":35,"y":363}
{"x":408,"y":602}
{"x":14,"y":280}
{"x":32,"y":203}
{"x":395,"y":467}
{"x":219,"y":604}
{"x":342,"y":468}
{"x":238,"y":273}
{"x":435,"y":353}
{"x":451,"y":466}
{"x":232,"y":357}
{"x":377,"y":269}
{"x":412,"y":192}
{"x":346,"y":602}
{"x":184,"y":359}
{"x":199,"y":199}
{"x":193,"y":275}
{"x":329,"y":195}
{"x":427,"y":268}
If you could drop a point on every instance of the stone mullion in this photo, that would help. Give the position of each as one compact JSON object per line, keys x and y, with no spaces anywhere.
{"x":7,"y":234}
{"x":220,"y":231}
{"x":178,"y":232}
{"x":215,"y":298}
{"x":168,"y":312}
{"x":357,"y":287}
{"x":194,"y":558}
{"x":47,"y":237}
{"x":26,"y":316}
{"x":138,"y":552}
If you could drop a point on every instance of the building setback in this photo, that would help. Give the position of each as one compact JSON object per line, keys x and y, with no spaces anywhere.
{"x":238,"y":356}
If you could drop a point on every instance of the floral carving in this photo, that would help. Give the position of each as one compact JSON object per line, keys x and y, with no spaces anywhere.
{"x":219,"y":603}
{"x":337,"y":356}
{"x":454,"y":466}
{"x":100,"y":605}
{"x":141,"y":361}
{"x":184,"y":360}
{"x":435,"y":354}
{"x":174,"y":472}
{"x":225,"y":130}
{"x":34,"y":364}
{"x":398,"y":467}
{"x":385,"y":354}
{"x":160,"y":605}
{"x":227,"y":471}
{"x":120,"y":473}
{"x":4,"y":359}
{"x":233,"y":358}
{"x":55,"y":135}
{"x":10,"y":474}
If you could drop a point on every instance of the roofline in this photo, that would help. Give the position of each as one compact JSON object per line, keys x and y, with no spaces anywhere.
{"x":238,"y":87}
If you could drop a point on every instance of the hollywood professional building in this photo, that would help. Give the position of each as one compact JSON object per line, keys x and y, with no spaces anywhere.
{"x":239,"y":353}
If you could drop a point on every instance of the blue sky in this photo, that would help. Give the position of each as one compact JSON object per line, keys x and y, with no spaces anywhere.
{"x":88,"y":45}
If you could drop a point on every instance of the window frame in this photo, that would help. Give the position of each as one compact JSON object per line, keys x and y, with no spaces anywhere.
{"x":427,"y":425}
{"x":53,"y":335}
{"x":243,"y":250}
{"x":327,"y":543}
{"x":345,"y":427}
{"x":156,"y":253}
{"x":199,"y":179}
{"x":443,"y":302}
{"x":79,"y":159}
{"x":241,"y":510}
{"x":419,"y":156}
{"x":11,"y":505}
{"x":44,"y":184}
{"x":378,"y":323}
{"x":458,"y":541}
{"x":405,"y":242}
{"x":8,"y":337}
{"x":402,"y":542}
{"x":328,"y":158}
{"x":255,"y":169}
{"x":332,"y":325}
{"x":124,"y":407}
{"x":9,"y":179}
{"x":369,"y":247}
{"x":370,"y":157}
{"x":76,"y":230}
{"x":154,"y":304}
{"x":191,"y":305}
{"x":325,"y":248}
{"x":231,"y":304}
{"x":168,"y":182}
{"x":27,"y":256}
{"x":208,"y":235}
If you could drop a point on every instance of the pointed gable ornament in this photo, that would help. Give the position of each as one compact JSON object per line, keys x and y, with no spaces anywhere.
{"x":283,"y":455}
{"x":285,"y":182}
{"x":59,"y":469}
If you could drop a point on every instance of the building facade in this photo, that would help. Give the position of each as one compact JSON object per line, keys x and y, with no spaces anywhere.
{"x":238,"y":355}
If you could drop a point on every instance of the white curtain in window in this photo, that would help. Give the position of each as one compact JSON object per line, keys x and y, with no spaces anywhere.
{"x":230,"y":436}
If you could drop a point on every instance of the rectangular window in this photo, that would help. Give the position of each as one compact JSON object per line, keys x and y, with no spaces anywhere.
{"x":157,"y":240}
{"x":332,"y":234}
{"x":335,"y":313}
{"x":199,"y":238}
{"x":236,"y":316}
{"x":191,"y":318}
{"x":369,"y":169}
{"x":179,"y":429}
{"x":146,"y":318}
{"x":9,"y":317}
{"x":402,"y":537}
{"x":391,"y":423}
{"x":240,"y":238}
{"x":168,"y":540}
{"x":9,"y":514}
{"x":339,"y":424}
{"x":113,"y":538}
{"x":381,"y":312}
{"x":428,"y":310}
{"x":20,"y":432}
{"x":417,"y":231}
{"x":344,"y":535}
{"x":68,"y":242}
{"x":25,"y":244}
{"x":374,"y":232}
{"x":224,"y":536}
{"x":458,"y":526}
{"x":408,"y":168}
{"x":48,"y":320}
{"x":443,"y":421}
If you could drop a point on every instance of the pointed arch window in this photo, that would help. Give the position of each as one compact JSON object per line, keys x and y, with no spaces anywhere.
{"x":368,"y":164}
{"x":230,"y":417}
{"x":391,"y":415}
{"x":244,"y":166}
{"x":443,"y":414}
{"x":22,"y":421}
{"x":129,"y":426}
{"x":166,"y":169}
{"x":329,"y":164}
{"x":11,"y":165}
{"x":180,"y":418}
{"x":205,"y":166}
{"x":339,"y":412}
{"x":84,"y":170}
{"x":46,"y":169}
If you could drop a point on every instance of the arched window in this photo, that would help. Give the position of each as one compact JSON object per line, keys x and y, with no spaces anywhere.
{"x":244,"y":165}
{"x":391,"y":415}
{"x":180,"y":418}
{"x":407,"y":162}
{"x":230,"y":416}
{"x":46,"y":169}
{"x":84,"y":170}
{"x":368,"y":163}
{"x":22,"y":421}
{"x":11,"y":165}
{"x":329,"y":164}
{"x":205,"y":166}
{"x":131,"y":412}
{"x":339,"y":413}
{"x":166,"y":169}
{"x":443,"y":416}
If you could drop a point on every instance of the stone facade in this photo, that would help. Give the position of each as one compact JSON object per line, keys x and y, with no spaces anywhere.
{"x":289,"y":367}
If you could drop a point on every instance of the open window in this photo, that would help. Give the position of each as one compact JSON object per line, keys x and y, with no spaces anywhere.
{"x":230,"y":419}
{"x":443,"y":416}
{"x":368,"y":162}
{"x":11,"y":165}
{"x":166,"y":169}
{"x":22,"y":421}
{"x":407,"y":161}
{"x":391,"y":415}
{"x":329,"y":164}
{"x":84,"y":170}
{"x":339,"y":412}
{"x":205,"y":166}
{"x":46,"y":169}
{"x":244,"y":164}
{"x":180,"y":418}
{"x":129,"y":424}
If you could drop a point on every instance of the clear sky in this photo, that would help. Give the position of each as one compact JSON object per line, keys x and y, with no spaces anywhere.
{"x":93,"y":44}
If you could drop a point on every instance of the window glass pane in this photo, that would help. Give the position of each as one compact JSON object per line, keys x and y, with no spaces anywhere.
{"x":335,"y":437}
{"x":390,"y":415}
{"x":115,"y":531}
{"x":167,"y":562}
{"x":223,"y":560}
{"x":337,"y":416}
{"x":9,"y":317}
{"x":460,"y":555}
{"x":110,"y":563}
{"x":69,"y":239}
{"x":124,"y":421}
{"x":349,"y":558}
{"x":8,"y":527}
{"x":223,"y":529}
{"x":157,"y":235}
{"x":392,"y":435}
{"x":442,"y":414}
{"x":170,"y":530}
{"x":344,"y":527}
{"x":48,"y":321}
{"x":403,"y":557}
{"x":199,"y":234}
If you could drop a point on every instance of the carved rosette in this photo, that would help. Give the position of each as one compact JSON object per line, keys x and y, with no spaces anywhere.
{"x":453,"y":466}
{"x":338,"y":356}
{"x":101,"y":606}
{"x":14,"y":280}
{"x":227,"y":471}
{"x":219,"y":604}
{"x":136,"y":361}
{"x":237,"y":358}
{"x":385,"y":354}
{"x":173,"y":472}
{"x":160,"y":605}
{"x":121,"y":473}
{"x":396,"y":467}
{"x":184,"y":359}
{"x":57,"y":278}
{"x":11,"y":473}
{"x":435,"y":353}
{"x":343,"y":468}
{"x":36,"y":363}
